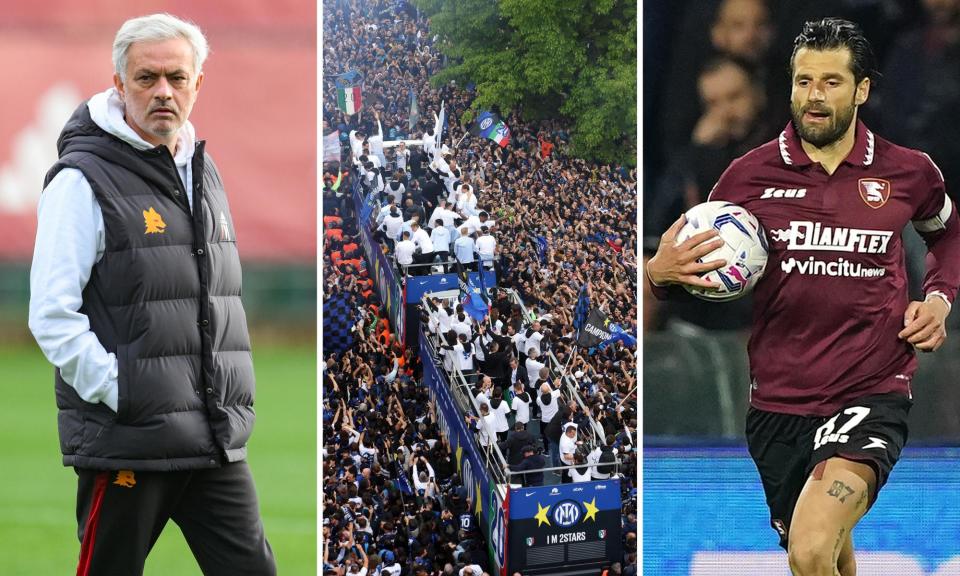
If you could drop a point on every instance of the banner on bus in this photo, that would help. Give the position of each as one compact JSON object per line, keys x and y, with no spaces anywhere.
{"x":417,"y":286}
{"x":565,"y":524}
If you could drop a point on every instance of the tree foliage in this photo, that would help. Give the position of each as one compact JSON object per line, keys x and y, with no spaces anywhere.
{"x":572,"y":58}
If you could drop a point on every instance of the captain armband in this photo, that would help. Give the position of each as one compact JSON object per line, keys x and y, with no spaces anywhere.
{"x":938,"y":221}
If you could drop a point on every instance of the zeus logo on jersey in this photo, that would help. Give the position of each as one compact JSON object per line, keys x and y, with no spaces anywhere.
{"x":783,"y":193}
{"x":805,"y":235}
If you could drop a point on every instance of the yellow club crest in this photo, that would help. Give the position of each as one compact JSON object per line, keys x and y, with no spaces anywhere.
{"x":153,"y":221}
{"x":125,"y":478}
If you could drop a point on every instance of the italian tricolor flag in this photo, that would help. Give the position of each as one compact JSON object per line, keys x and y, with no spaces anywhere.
{"x":349,"y":99}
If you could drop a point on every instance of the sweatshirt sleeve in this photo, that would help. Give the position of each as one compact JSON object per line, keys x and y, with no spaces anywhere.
{"x":70,"y":240}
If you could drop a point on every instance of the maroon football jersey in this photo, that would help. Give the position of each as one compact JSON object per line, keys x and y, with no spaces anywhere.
{"x":832,"y":300}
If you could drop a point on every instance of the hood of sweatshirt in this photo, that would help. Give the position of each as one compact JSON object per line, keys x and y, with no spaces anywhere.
{"x":98,"y":127}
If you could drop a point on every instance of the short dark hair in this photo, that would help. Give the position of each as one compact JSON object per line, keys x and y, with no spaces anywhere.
{"x":836,"y":33}
{"x":721,"y":61}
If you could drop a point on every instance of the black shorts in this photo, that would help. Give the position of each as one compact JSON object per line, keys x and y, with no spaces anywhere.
{"x":786,"y":447}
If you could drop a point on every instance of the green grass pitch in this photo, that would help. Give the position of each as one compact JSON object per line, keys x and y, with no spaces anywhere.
{"x":38,"y":532}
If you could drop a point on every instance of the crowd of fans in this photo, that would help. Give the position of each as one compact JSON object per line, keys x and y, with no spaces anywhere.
{"x":718,"y":85}
{"x":393,"y":503}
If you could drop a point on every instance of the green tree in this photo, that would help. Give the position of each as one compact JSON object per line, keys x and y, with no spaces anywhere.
{"x":573,"y":58}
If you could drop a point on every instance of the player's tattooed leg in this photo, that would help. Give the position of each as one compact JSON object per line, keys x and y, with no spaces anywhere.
{"x":840,"y":491}
{"x":830,"y":505}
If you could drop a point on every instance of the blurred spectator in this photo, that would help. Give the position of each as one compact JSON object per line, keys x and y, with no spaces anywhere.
{"x":920,"y":87}
{"x":741,"y":29}
{"x":732,"y":123}
{"x":738,"y":29}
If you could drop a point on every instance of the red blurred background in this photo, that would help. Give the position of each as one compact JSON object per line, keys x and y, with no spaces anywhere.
{"x":257,"y":109}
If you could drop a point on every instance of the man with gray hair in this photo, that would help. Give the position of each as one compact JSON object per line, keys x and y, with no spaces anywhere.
{"x":134,"y":298}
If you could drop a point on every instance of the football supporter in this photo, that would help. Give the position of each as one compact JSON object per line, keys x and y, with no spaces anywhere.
{"x":834,"y":338}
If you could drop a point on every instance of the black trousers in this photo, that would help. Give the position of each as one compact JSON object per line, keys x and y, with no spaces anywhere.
{"x":423,"y":259}
{"x":545,"y":439}
{"x":120,"y":515}
{"x":444,"y":256}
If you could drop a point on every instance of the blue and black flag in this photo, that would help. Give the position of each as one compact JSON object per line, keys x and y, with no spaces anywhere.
{"x":471,"y":297}
{"x":489,"y":125}
{"x":402,"y":483}
{"x":541,"y":246}
{"x":481,"y":271}
{"x":338,"y":322}
{"x":617,"y":333}
{"x":582,"y":309}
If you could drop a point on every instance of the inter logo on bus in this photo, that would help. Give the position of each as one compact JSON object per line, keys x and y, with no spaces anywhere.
{"x":566,"y":513}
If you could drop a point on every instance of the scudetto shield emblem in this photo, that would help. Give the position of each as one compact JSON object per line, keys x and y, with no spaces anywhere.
{"x":874,"y":191}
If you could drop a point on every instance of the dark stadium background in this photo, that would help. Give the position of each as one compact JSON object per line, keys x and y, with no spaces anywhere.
{"x":257,"y":109}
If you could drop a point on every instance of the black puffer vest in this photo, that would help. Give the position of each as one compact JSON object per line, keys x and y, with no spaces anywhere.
{"x":165,"y":298}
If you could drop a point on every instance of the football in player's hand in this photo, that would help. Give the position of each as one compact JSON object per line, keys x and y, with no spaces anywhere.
{"x":744,"y":249}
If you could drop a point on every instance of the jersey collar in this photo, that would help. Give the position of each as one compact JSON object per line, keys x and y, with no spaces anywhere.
{"x":792,"y":154}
